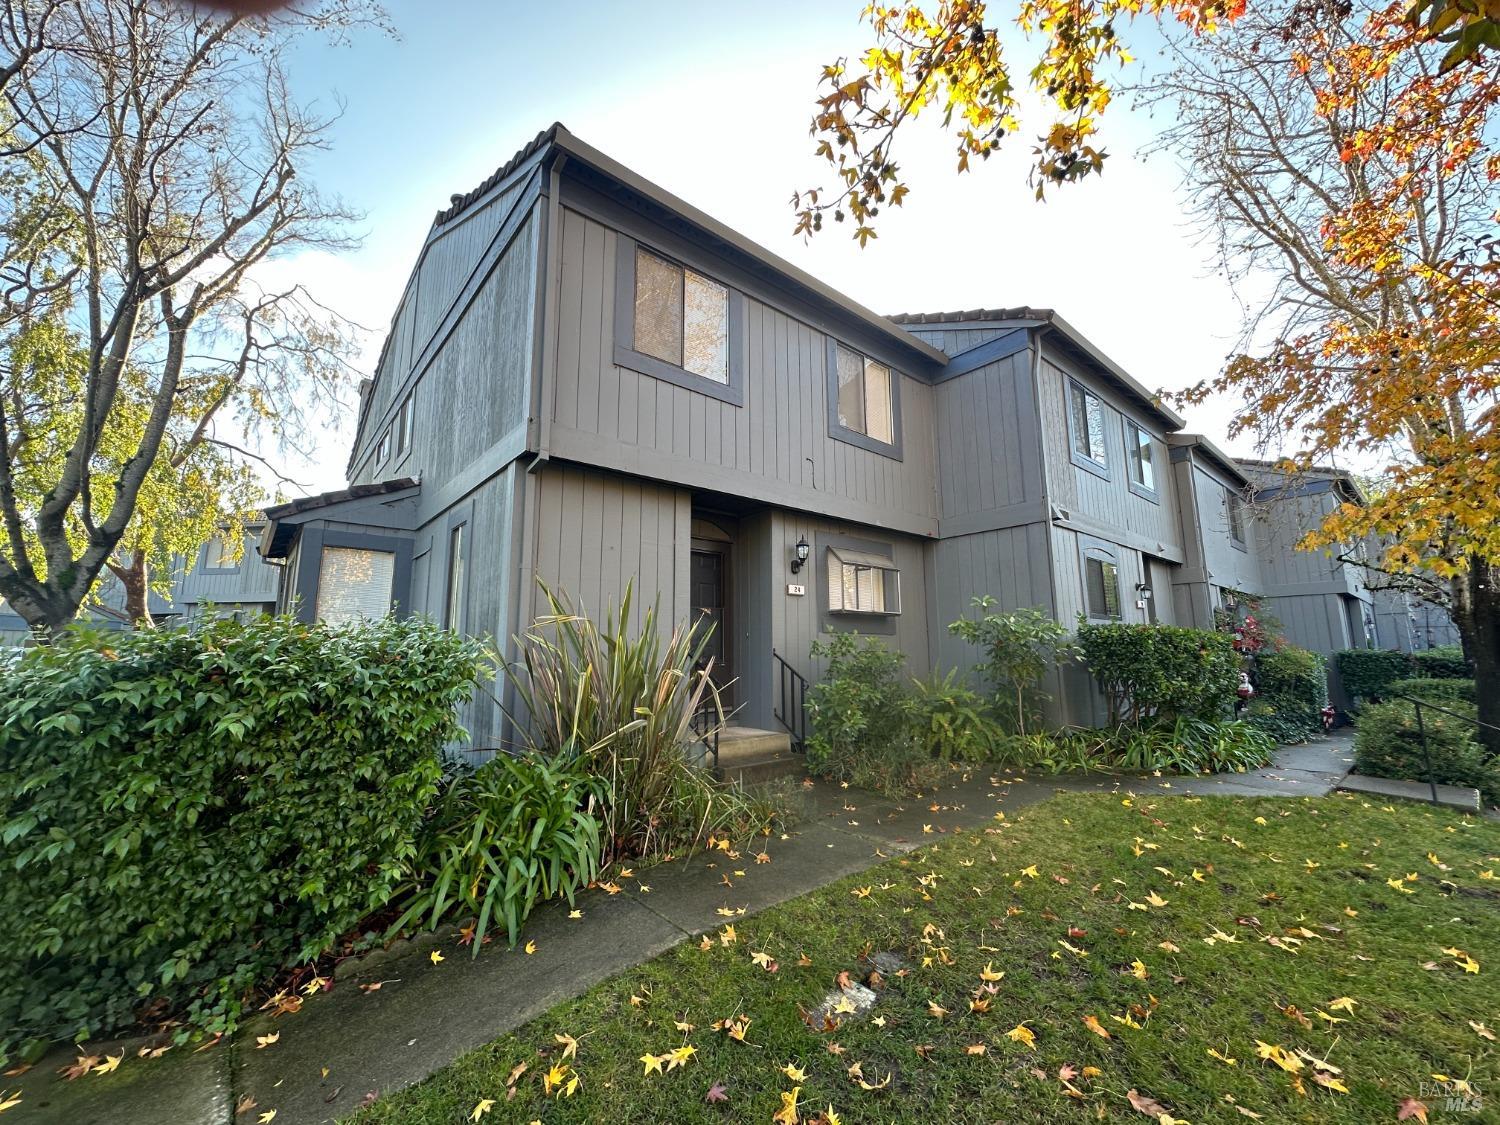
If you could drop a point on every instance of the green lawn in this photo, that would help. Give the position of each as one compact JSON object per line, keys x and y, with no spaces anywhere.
{"x":1189,"y":929}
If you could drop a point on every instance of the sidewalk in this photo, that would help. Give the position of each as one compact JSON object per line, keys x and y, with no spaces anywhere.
{"x":349,"y":1043}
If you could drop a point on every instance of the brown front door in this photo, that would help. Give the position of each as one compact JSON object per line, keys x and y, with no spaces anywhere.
{"x":710,"y":605}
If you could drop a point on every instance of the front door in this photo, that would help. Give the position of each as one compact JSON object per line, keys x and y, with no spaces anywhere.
{"x":710,"y":605}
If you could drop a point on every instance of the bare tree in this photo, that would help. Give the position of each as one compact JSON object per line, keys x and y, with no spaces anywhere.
{"x":153,"y":154}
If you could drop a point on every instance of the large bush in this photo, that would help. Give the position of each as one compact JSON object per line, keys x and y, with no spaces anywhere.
{"x":1367,"y":672}
{"x":954,"y":722}
{"x":620,"y":703}
{"x":1445,"y":662}
{"x":1160,"y":671}
{"x":1019,"y":648}
{"x":499,"y":840}
{"x":862,"y":718}
{"x":1387,"y":743}
{"x":1291,"y":687}
{"x":184,"y":813}
{"x":1440,"y":691}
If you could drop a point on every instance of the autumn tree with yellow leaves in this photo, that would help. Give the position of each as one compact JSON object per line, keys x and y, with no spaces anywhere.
{"x":1342,"y":155}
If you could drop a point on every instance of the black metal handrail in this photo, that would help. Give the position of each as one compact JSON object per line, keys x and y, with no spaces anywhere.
{"x":791,"y":701}
{"x":705,"y":723}
{"x":1417,"y":705}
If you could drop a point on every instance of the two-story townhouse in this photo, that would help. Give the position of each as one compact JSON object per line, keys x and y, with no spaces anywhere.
{"x":1223,"y":540}
{"x":231,"y":578}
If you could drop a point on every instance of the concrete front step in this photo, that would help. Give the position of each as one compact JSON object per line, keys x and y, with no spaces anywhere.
{"x":748,"y":755}
{"x":1454,"y":796}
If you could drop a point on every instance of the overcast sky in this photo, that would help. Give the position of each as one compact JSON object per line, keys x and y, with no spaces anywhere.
{"x":712,"y":102}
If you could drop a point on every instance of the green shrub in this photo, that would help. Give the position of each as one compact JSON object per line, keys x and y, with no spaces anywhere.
{"x":500,"y":839}
{"x":1020,"y":648}
{"x":1160,"y":671}
{"x":1439,"y":690}
{"x":1291,"y":691}
{"x":1445,"y":662}
{"x":1185,"y":745}
{"x":1388,"y":744}
{"x":184,"y":813}
{"x":620,"y":703}
{"x":955,"y":722}
{"x":862,"y":718}
{"x":1367,"y":672}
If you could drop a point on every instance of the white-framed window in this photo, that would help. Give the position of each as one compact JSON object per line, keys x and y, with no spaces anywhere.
{"x":453,"y":604}
{"x":1234,"y":514}
{"x":681,"y":317}
{"x":1086,"y":426}
{"x":1139,"y":458}
{"x":862,"y":582}
{"x":219,"y":555}
{"x":383,"y":448}
{"x":403,"y":426}
{"x":1101,"y":584}
{"x":865,"y":403}
{"x":354,"y":584}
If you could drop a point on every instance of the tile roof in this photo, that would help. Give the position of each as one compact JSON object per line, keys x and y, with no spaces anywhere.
{"x":457,"y":204}
{"x":338,"y":496}
{"x":1021,"y":313}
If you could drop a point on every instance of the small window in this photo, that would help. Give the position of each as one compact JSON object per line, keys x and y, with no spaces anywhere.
{"x":453,"y":610}
{"x":217,"y":555}
{"x":1138,"y":455}
{"x":403,"y":427}
{"x":1234,"y":509}
{"x":1101,"y":577}
{"x":1086,"y":421}
{"x":681,"y":317}
{"x":383,"y":450}
{"x":860,"y":582}
{"x":864,"y":397}
{"x":354,"y":584}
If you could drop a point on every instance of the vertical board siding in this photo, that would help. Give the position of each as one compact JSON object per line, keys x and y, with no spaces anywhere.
{"x":594,"y":533}
{"x":1226,"y":564}
{"x":1107,"y":502}
{"x":477,"y":387}
{"x":957,"y":339}
{"x":1009,"y":565}
{"x":780,"y":435}
{"x":990,"y":455}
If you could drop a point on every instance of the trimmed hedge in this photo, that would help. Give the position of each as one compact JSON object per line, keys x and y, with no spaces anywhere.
{"x":184,"y":813}
{"x":1439,"y":691}
{"x":1291,"y":687}
{"x":1367,"y":672}
{"x":1388,"y":744}
{"x":1445,"y":662}
{"x":1162,"y":671}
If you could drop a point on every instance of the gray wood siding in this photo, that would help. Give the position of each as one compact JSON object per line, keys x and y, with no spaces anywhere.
{"x":592,"y":533}
{"x":1010,"y":565}
{"x":250,"y":581}
{"x":1109,"y":506}
{"x":775,"y":448}
{"x":1226,"y":564}
{"x":795,"y":620}
{"x":474,"y":392}
{"x":1280,"y":524}
{"x":989,"y":457}
{"x":956,"y":339}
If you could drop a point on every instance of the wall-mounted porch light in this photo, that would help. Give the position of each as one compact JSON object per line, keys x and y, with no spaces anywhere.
{"x":803,"y":550}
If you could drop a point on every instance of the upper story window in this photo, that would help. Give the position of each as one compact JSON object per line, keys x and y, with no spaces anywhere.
{"x":1138,"y":458}
{"x":1234,"y":510}
{"x":383,"y":449}
{"x":1086,"y":428}
{"x":676,"y":324}
{"x":862,"y":582}
{"x":864,"y":402}
{"x":217,"y":555}
{"x":1101,"y":583}
{"x":681,"y":317}
{"x":403,"y":426}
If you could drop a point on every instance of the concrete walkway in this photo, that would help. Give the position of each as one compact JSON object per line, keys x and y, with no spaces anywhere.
{"x":352,"y":1043}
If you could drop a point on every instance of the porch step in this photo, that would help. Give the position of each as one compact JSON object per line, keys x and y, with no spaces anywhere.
{"x":748,"y":755}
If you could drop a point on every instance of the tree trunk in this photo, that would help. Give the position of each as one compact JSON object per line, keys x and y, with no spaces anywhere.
{"x":136,"y":581}
{"x":1476,"y":611}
